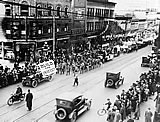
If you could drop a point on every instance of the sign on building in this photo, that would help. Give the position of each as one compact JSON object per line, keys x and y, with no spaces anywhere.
{"x":47,"y":68}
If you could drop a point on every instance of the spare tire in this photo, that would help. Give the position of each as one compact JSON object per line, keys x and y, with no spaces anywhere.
{"x":110,"y":82}
{"x":34,"y":83}
{"x":61,"y":114}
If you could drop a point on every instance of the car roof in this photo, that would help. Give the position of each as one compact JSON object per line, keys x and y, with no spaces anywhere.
{"x":69,"y":96}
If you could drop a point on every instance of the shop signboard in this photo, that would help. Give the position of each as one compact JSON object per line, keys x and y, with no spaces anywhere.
{"x":47,"y":68}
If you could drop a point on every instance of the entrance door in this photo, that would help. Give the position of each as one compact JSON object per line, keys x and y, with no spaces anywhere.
{"x":24,"y":54}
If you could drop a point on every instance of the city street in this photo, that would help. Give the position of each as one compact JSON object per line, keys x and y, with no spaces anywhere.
{"x":91,"y":84}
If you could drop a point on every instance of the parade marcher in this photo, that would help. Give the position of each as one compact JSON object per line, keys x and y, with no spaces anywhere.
{"x":75,"y":81}
{"x":29,"y":98}
{"x":148,"y":115}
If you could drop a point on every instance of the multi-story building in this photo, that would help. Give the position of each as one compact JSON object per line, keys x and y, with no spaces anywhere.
{"x":100,"y":13}
{"x":91,"y":22}
{"x":30,"y":26}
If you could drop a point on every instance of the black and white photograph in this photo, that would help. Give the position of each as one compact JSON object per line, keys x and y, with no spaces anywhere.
{"x":79,"y":60}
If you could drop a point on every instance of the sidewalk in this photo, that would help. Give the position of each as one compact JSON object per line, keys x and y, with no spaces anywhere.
{"x":9,"y":63}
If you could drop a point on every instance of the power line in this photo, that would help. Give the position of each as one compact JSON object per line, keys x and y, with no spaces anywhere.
{"x":73,"y":13}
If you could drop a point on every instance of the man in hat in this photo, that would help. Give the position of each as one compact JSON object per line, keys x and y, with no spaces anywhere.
{"x":148,"y":115}
{"x":75,"y":81}
{"x":29,"y":98}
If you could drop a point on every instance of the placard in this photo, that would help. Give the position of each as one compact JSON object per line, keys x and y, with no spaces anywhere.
{"x":47,"y":68}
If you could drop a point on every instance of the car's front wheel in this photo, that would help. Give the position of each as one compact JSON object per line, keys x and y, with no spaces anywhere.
{"x":34,"y":83}
{"x":23,"y":83}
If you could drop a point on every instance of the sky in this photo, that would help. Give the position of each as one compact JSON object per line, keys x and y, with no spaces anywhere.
{"x":124,"y":5}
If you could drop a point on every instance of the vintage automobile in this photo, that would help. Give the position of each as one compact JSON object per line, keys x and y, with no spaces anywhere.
{"x":113,"y":80}
{"x":146,"y":62}
{"x":34,"y":79}
{"x":70,"y":105}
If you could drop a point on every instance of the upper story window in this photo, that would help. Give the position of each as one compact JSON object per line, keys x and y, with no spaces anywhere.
{"x":7,"y":10}
{"x":66,"y":12}
{"x":90,"y":12}
{"x":24,"y":8}
{"x":58,"y":11}
{"x":106,"y":13}
{"x":111,"y":13}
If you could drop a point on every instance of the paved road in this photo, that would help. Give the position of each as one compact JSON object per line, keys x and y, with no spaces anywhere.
{"x":91,"y":84}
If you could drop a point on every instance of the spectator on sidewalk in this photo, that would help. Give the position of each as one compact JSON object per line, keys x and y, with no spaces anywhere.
{"x":157,"y":102}
{"x":130,"y":119}
{"x":148,"y":115}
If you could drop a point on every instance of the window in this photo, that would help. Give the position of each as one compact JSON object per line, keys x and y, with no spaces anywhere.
{"x":111,"y":13}
{"x":7,"y":10}
{"x":66,"y":27}
{"x":106,"y":12}
{"x":66,"y":12}
{"x":50,"y":11}
{"x":58,"y":11}
{"x":24,"y":8}
{"x":39,"y":11}
{"x":78,"y":100}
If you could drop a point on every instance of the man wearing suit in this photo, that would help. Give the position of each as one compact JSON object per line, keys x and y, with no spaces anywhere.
{"x":29,"y":98}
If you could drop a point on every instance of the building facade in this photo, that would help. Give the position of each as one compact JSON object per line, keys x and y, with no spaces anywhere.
{"x":32,"y":28}
{"x":99,"y":15}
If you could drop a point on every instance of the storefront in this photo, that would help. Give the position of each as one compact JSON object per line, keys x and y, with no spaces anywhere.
{"x":24,"y":51}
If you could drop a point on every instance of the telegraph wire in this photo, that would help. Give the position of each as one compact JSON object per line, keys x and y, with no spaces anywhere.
{"x":73,"y":13}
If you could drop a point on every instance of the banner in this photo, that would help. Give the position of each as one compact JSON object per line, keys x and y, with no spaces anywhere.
{"x":47,"y":68}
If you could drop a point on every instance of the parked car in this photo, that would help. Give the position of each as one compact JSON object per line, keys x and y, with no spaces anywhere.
{"x":34,"y":79}
{"x":114,"y":80}
{"x":146,"y":62}
{"x":70,"y":105}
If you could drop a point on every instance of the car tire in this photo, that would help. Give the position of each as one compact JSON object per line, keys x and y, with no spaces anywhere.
{"x":34,"y":83}
{"x":110,"y":82}
{"x":74,"y":117}
{"x":23,"y":83}
{"x":50,"y":77}
{"x":59,"y":115}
